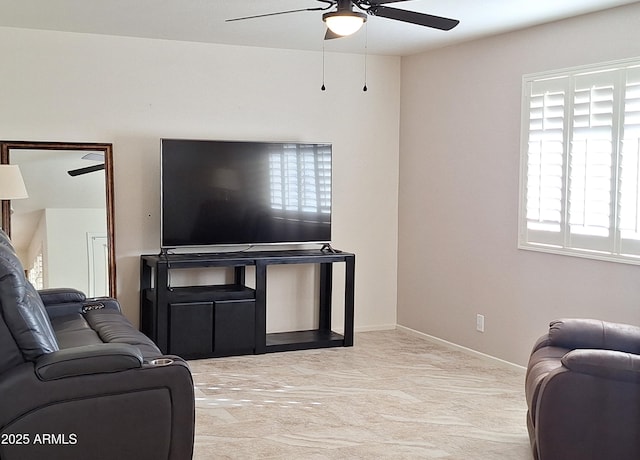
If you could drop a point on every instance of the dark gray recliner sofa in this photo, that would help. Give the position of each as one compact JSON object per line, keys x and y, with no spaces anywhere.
{"x":583,"y":391}
{"x":78,"y":381}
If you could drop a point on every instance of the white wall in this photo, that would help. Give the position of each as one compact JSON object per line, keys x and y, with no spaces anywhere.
{"x":131,"y":92}
{"x":66,"y":255}
{"x":458,"y":200}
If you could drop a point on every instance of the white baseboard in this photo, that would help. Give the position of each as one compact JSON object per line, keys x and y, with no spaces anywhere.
{"x":460,"y":347}
{"x":379,"y":327}
{"x":382,"y":327}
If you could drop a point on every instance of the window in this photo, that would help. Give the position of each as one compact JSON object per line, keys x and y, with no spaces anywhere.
{"x":36,"y":272}
{"x":300,"y":178}
{"x":580,"y":162}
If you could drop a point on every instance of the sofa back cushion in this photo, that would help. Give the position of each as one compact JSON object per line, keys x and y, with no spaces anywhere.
{"x":22,"y":309}
{"x":574,"y":333}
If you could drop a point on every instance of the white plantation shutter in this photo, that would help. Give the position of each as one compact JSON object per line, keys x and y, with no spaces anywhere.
{"x":545,"y":160}
{"x":630,"y":166}
{"x":591,"y":161}
{"x":580,"y":181}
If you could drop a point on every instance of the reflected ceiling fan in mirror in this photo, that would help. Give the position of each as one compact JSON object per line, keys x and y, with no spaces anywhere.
{"x":345,"y":20}
{"x":94,"y":156}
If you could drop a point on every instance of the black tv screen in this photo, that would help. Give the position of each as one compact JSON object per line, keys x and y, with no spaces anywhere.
{"x":244,"y":193}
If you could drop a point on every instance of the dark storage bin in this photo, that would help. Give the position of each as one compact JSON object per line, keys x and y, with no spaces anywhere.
{"x":191,"y":329}
{"x":234,"y":327}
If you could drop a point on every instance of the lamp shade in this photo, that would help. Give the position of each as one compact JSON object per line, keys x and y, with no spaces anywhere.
{"x":11,"y":183}
{"x":343,"y":22}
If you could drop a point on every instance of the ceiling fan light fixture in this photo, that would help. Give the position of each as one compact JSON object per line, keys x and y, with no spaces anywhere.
{"x":344,"y":23}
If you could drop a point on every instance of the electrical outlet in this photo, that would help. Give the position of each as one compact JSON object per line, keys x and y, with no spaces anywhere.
{"x":480,"y":323}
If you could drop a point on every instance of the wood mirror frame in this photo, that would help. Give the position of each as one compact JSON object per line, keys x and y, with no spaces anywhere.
{"x":107,"y":149}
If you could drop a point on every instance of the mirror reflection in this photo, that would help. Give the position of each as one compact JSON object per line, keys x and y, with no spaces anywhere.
{"x":61,"y":231}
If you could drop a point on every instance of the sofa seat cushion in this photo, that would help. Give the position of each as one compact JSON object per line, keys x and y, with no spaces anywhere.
{"x":114,"y":327}
{"x":74,"y":331}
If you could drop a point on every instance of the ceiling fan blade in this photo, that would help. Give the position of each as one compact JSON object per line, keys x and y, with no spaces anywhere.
{"x":421,"y":19}
{"x":87,"y":170}
{"x":275,"y":14}
{"x":94,"y":156}
{"x":330,"y":35}
{"x":381,"y":2}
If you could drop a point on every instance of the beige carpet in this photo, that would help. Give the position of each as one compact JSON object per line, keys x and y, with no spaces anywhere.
{"x":394,"y":395}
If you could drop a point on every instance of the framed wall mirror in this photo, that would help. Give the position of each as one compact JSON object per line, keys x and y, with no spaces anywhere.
{"x":64,"y":231}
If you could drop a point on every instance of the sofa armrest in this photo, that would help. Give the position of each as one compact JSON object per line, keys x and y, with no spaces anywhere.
{"x":590,"y":333}
{"x":67,"y":301}
{"x":149,"y":410}
{"x":89,"y":359}
{"x":61,"y":295}
{"x":607,"y":364}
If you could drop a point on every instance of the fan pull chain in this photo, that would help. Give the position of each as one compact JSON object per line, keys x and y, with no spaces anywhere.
{"x":366,"y":51}
{"x":323,"y":88}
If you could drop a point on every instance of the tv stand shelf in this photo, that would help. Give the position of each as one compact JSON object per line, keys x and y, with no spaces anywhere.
{"x":299,"y":340}
{"x":214,"y":292}
{"x":230,"y":319}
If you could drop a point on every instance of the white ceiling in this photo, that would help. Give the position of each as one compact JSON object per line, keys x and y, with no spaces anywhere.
{"x":204,"y":21}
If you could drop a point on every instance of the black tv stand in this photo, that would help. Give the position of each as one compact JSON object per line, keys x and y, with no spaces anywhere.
{"x":230,"y":319}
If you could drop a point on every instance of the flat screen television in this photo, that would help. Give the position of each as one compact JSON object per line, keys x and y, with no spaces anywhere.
{"x":244,"y":193}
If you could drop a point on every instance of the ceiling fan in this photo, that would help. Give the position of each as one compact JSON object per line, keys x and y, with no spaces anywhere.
{"x":344,"y":21}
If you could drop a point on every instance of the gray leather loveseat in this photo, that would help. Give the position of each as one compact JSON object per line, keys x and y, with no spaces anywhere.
{"x":583,"y":391}
{"x":78,"y":381}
